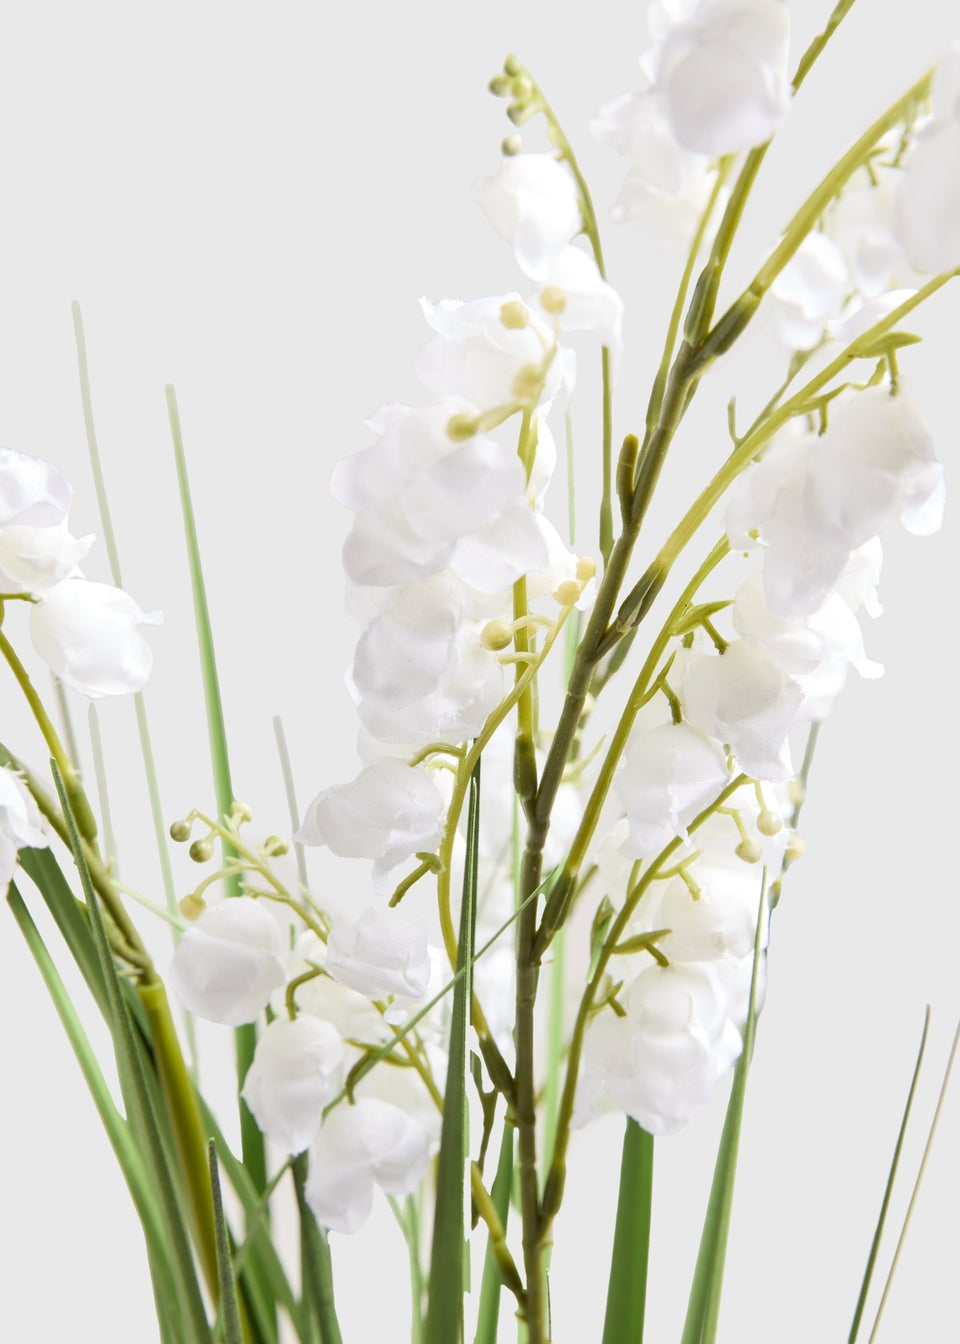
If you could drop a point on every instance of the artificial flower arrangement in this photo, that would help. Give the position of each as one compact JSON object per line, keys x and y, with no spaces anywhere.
{"x":566,"y":913}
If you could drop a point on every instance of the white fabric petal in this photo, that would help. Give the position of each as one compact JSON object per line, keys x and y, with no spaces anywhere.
{"x":532,"y":201}
{"x":379,"y":954}
{"x":389,"y":812}
{"x":669,"y":775}
{"x":32,"y":492}
{"x":229,"y":962}
{"x":35,"y":558}
{"x":297,"y":1068}
{"x":88,"y":633}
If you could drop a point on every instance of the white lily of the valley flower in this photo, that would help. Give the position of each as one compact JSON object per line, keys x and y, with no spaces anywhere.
{"x":723,"y":74}
{"x":809,"y":292}
{"x":661,"y":1063}
{"x":801,"y":644}
{"x":89,"y":634}
{"x":380,"y":954}
{"x":929,"y":198}
{"x":389,"y":812}
{"x":669,"y":775}
{"x":720,"y":924}
{"x":229,"y":962}
{"x":297,"y":1068}
{"x":360,"y":1146}
{"x":474,"y":355}
{"x":532,"y":201}
{"x":664,"y":182}
{"x":20,"y":824}
{"x":742,"y":698}
{"x":577,"y":297}
{"x":33,"y":559}
{"x":32,"y":492}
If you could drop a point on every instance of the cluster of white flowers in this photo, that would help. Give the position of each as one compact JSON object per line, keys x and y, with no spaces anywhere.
{"x":715,"y":81}
{"x":814,"y":507}
{"x":87,"y":632}
{"x":449,"y":518}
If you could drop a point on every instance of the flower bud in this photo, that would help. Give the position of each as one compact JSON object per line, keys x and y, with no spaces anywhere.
{"x":553,"y":299}
{"x":769,"y":823}
{"x":512,"y":65}
{"x":528,"y":383}
{"x":462,"y":427}
{"x":192,"y":907}
{"x":568,"y":593}
{"x":500,"y":86}
{"x":179,"y":831}
{"x":275,"y":846}
{"x":586,"y":568}
{"x":496,"y":635}
{"x":240,"y":812}
{"x":201,"y":851}
{"x":751,"y":851}
{"x":511,"y":145}
{"x":514,"y":315}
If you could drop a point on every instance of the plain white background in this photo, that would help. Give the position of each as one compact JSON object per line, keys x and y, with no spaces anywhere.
{"x":247,"y":200}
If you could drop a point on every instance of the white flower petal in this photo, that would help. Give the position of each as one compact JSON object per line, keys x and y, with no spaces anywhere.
{"x":88,"y":633}
{"x":297,"y":1068}
{"x":229,"y":962}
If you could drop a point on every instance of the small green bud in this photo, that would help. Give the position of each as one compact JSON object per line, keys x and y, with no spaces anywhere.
{"x":192,"y":907}
{"x":528,"y":383}
{"x":512,"y":66}
{"x":554,"y":300}
{"x":500,"y":86}
{"x":496,"y":635}
{"x":180,"y":831}
{"x":241,"y":811}
{"x":201,"y":851}
{"x":522,"y":88}
{"x":586,"y":568}
{"x":511,"y":145}
{"x":795,"y":848}
{"x":514,"y":315}
{"x":461,"y":427}
{"x":568,"y":593}
{"x":751,"y":851}
{"x":276,"y":846}
{"x":768,"y":823}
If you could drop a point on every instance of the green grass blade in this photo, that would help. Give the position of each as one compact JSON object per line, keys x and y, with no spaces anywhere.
{"x":137,"y":1096}
{"x":229,"y":1305}
{"x":445,"y":1308}
{"x":118,"y":1132}
{"x":703,"y":1307}
{"x":917,"y":1183}
{"x":881,"y":1220}
{"x":488,"y":1314}
{"x":627,"y":1288}
{"x":245,"y":1037}
{"x":317,"y":1269}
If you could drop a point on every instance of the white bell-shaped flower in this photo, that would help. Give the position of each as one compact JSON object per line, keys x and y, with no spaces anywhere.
{"x":229,"y":962}
{"x":724,"y":76}
{"x":810,"y":291}
{"x":32,"y":492}
{"x":382,"y":953}
{"x":665,"y":182}
{"x":532,"y":201}
{"x":661,"y":1063}
{"x":720,"y":923}
{"x":861,"y":223}
{"x":577,"y":298}
{"x":20,"y":823}
{"x":89,"y":634}
{"x":802,"y":644}
{"x":669,"y":774}
{"x":371,"y":1143}
{"x":928,"y":202}
{"x":297,"y":1068}
{"x":488,"y":362}
{"x":33,"y":559}
{"x":388,"y":813}
{"x":744,"y":699}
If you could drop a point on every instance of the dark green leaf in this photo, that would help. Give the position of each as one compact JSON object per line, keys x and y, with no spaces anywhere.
{"x":627,"y":1287}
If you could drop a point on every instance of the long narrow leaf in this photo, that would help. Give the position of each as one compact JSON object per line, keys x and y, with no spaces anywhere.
{"x":245,"y":1037}
{"x":888,"y":1191}
{"x":488,"y":1314}
{"x":319,"y":1306}
{"x":229,"y":1306}
{"x":703,"y":1307}
{"x":193,"y":1318}
{"x":118,"y":1132}
{"x":445,"y":1308}
{"x":627,"y":1287}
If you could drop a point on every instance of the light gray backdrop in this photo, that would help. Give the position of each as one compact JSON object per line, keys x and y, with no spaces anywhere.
{"x":248,"y":200}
